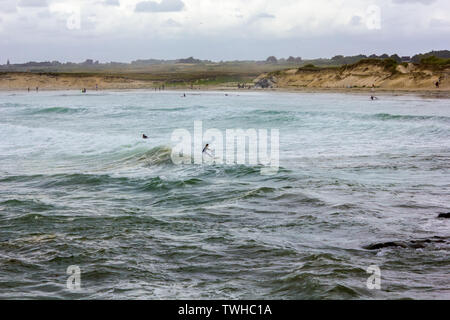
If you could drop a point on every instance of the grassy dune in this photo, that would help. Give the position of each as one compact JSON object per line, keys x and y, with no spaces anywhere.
{"x":169,"y":75}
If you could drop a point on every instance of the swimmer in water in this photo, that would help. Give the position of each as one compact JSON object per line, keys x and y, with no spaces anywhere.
{"x":144,"y":136}
{"x":206,"y":149}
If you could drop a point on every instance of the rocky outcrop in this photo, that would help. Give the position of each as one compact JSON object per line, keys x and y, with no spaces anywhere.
{"x":265,"y":82}
{"x":444,"y":215}
{"x":414,"y":244}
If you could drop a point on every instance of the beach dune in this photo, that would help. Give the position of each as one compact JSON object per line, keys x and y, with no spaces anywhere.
{"x":55,"y":81}
{"x":360,"y":75}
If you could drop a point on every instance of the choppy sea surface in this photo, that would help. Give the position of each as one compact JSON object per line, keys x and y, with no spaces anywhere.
{"x":360,"y":183}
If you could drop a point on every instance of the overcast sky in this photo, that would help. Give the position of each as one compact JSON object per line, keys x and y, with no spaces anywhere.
{"x":125,"y":30}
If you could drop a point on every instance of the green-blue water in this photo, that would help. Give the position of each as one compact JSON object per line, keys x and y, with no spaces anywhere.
{"x":79,"y":186}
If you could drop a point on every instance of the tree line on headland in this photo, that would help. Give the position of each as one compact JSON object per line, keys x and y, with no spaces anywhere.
{"x":432,"y":57}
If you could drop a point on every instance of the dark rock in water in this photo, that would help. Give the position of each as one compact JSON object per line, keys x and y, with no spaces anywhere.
{"x":381,"y":245}
{"x":444,"y":215}
{"x":414,"y":244}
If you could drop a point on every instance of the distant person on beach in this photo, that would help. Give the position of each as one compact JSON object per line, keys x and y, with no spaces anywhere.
{"x":28,"y":89}
{"x":37,"y":89}
{"x":437,"y":84}
{"x":144,"y":136}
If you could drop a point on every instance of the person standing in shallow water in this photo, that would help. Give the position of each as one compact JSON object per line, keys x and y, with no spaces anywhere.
{"x":372,"y":97}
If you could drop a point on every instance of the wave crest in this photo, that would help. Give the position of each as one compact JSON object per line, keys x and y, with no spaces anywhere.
{"x":60,"y":110}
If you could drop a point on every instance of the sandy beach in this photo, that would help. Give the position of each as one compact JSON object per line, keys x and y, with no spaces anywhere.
{"x":362,"y":77}
{"x":23,"y":81}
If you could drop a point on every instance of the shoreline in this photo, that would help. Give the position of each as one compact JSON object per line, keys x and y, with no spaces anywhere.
{"x":429,"y":93}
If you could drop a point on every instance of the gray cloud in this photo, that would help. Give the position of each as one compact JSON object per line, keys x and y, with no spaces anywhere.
{"x":33,"y":3}
{"x":259,"y":16}
{"x":45,"y":14}
{"x":26,"y":37}
{"x":163,"y":6}
{"x":264,"y":15}
{"x":111,"y":3}
{"x":171,"y":23}
{"x":414,"y":1}
{"x":8,"y":6}
{"x":439,"y":23}
{"x":356,"y":21}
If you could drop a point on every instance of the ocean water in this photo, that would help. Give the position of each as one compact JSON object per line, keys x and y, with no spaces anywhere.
{"x":360,"y":183}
